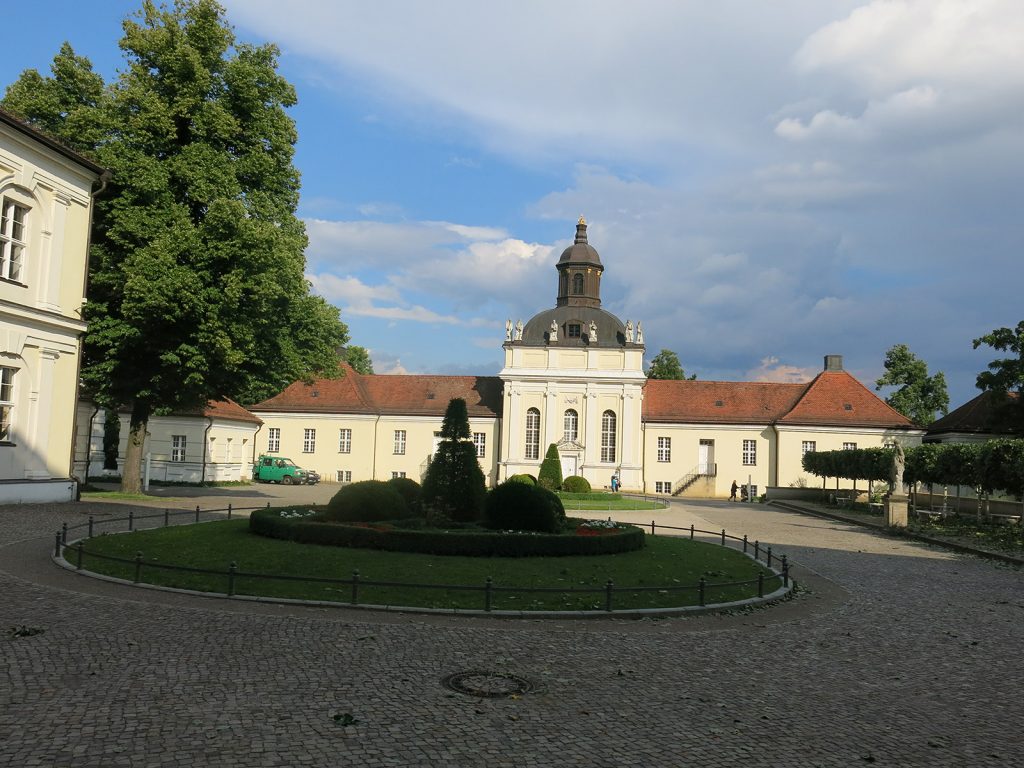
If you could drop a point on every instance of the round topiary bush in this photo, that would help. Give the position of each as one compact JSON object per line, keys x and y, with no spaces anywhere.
{"x":366,"y":501}
{"x":525,"y":479}
{"x":576,"y":484}
{"x":516,"y":506}
{"x":410,"y":491}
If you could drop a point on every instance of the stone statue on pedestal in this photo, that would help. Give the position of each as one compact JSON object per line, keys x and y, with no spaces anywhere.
{"x":629,"y":331}
{"x":553,"y":333}
{"x":519,"y":330}
{"x":639,"y":333}
{"x":508,"y":330}
{"x":899,"y":462}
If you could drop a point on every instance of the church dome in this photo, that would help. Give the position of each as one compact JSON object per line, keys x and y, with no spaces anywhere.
{"x":610,"y":330}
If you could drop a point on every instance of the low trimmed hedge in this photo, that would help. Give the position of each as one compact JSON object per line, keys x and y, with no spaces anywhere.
{"x":466,"y":542}
{"x":594,"y":496}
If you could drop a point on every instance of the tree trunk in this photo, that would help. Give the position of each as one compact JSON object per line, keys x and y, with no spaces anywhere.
{"x":131,"y":474}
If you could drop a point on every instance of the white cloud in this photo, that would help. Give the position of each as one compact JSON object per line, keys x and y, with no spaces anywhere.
{"x":771,"y":369}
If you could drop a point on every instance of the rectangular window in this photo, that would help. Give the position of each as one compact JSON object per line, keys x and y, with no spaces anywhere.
{"x":608,"y":421}
{"x":177,"y":447}
{"x":849,"y":446}
{"x":808,"y":446}
{"x":532,"y":434}
{"x":396,"y":475}
{"x":344,"y":475}
{"x":6,"y":401}
{"x":400,"y":442}
{"x":344,"y":441}
{"x":664,"y":449}
{"x":480,"y":443}
{"x":308,"y":440}
{"x":273,"y":440}
{"x":574,"y":331}
{"x":662,"y":487}
{"x":750,"y":453}
{"x":12,"y":239}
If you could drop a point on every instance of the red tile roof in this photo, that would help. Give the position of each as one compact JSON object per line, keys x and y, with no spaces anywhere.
{"x":221,"y":409}
{"x":833,"y":398}
{"x":386,"y":394}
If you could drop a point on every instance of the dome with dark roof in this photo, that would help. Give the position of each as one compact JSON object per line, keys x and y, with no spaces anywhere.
{"x":610,"y":330}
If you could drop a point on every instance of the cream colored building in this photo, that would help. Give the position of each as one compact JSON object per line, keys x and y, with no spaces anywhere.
{"x":574,"y":376}
{"x":212,"y":444}
{"x":46,"y":205}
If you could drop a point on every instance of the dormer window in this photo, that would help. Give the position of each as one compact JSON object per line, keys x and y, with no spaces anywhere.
{"x":574,"y":331}
{"x":577,"y":284}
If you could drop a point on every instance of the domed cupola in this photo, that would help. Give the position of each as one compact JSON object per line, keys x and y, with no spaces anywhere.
{"x":579,"y":272}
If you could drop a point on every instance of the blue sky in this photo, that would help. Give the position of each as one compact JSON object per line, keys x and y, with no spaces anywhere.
{"x":767,"y":183}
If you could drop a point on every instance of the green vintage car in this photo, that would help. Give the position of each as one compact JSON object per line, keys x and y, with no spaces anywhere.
{"x":279,"y":469}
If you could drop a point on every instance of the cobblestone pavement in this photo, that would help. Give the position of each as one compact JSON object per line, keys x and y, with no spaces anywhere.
{"x":897,"y":655}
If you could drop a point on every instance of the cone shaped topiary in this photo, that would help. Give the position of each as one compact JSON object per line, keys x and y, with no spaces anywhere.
{"x":550,"y":475}
{"x":454,"y":485}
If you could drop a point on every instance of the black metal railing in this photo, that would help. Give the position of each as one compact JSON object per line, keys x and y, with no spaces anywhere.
{"x":355,"y":583}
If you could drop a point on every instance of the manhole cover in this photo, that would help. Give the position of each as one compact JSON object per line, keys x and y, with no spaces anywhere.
{"x":487,"y":684}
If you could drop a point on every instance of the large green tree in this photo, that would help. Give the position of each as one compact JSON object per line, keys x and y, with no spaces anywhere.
{"x":919,"y":396}
{"x":359,"y":358}
{"x":196,"y":279}
{"x":1006,"y":374}
{"x":666,"y":365}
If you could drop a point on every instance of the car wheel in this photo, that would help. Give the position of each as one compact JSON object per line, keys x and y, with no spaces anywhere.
{"x":287,"y":479}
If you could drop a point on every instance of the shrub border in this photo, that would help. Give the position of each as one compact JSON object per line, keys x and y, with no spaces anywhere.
{"x":268,"y":522}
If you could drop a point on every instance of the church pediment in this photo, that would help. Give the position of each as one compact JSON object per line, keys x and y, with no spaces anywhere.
{"x":569,"y":445}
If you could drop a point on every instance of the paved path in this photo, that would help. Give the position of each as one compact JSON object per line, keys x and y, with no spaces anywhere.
{"x":899,"y":655}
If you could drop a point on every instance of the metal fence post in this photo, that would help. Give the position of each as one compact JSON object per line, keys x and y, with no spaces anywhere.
{"x":744,"y":543}
{"x":691,"y":531}
{"x":167,"y":515}
{"x":608,"y":595}
{"x":703,"y":583}
{"x":757,"y":549}
{"x":131,"y":519}
{"x":56,"y":545}
{"x":355,"y":587}
{"x":760,"y":584}
{"x":64,"y":533}
{"x":197,"y":513}
{"x":723,"y":537}
{"x":652,"y":527}
{"x":769,"y":557}
{"x":232,"y":569}
{"x":488,"y":585}
{"x":785,"y":571}
{"x":78,"y":556}
{"x":90,"y":526}
{"x":138,"y":566}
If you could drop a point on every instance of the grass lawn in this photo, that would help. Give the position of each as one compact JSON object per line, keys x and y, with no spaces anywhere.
{"x":667,"y":564}
{"x":605,"y":501}
{"x":118,"y":496}
{"x":1004,"y":537}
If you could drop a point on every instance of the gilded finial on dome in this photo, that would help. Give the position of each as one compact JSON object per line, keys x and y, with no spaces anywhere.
{"x":582,"y":220}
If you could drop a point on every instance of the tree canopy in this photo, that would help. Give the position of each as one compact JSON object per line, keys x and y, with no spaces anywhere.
{"x":196,"y":273}
{"x":666,"y":365}
{"x":919,"y":396}
{"x":359,"y":359}
{"x":1005,"y":374}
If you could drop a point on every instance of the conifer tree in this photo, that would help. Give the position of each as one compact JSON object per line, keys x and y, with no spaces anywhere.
{"x":454,"y":485}
{"x":550,"y":475}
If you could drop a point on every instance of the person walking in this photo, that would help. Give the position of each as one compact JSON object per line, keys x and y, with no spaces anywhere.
{"x":732,"y":491}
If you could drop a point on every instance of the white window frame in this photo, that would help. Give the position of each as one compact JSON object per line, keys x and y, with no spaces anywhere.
{"x":664,"y":449}
{"x":750,"y":453}
{"x":179,"y":443}
{"x":808,"y":446}
{"x":7,"y":375}
{"x":571,"y":424}
{"x":400,"y":439}
{"x":480,"y":443}
{"x":309,"y":440}
{"x":532,"y":452}
{"x":662,"y":486}
{"x":273,"y":439}
{"x":396,"y":475}
{"x":849,"y":446}
{"x":344,"y":440}
{"x":13,"y":239}
{"x":609,"y":424}
{"x":344,"y":475}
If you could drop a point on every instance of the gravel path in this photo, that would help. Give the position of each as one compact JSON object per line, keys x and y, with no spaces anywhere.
{"x":897,"y":654}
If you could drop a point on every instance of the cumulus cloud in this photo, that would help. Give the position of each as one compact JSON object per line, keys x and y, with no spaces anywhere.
{"x":772,"y":369}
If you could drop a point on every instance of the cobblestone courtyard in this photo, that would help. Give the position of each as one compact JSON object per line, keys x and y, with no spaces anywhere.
{"x":898,"y":654}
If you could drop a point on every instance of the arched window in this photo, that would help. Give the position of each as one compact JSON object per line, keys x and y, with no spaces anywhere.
{"x":577,"y":284}
{"x":608,"y":436}
{"x":533,"y":434}
{"x":563,"y":283}
{"x":572,"y":425}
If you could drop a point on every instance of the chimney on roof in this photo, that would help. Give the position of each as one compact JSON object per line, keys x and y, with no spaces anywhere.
{"x":833,"y":362}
